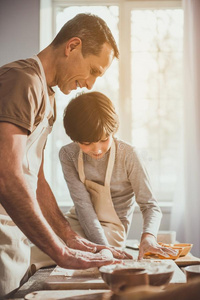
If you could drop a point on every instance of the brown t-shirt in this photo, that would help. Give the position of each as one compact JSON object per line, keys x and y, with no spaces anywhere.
{"x":22,"y":94}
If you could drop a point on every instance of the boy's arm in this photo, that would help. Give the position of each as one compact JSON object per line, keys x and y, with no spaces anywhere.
{"x":82,"y":201}
{"x":148,"y":205}
{"x":86,"y":214}
{"x":140,"y":182}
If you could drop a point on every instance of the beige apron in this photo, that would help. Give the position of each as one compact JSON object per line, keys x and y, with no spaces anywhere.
{"x":14,"y":246}
{"x":102,"y":203}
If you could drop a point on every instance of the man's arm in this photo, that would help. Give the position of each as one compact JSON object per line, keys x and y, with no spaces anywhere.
{"x":20,"y":203}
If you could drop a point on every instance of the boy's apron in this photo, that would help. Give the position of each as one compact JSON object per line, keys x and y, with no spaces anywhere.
{"x":14,"y":246}
{"x":102,"y":203}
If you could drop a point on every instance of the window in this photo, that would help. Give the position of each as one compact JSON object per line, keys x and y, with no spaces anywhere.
{"x":145,"y":86}
{"x":156,"y":84}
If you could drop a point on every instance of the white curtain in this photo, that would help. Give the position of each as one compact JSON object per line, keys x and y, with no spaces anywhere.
{"x":186,"y":212}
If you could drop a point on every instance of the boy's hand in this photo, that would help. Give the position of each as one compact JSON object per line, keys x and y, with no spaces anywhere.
{"x":148,"y":243}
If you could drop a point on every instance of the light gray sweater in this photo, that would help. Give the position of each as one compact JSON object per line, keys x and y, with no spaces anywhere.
{"x":129,"y":180}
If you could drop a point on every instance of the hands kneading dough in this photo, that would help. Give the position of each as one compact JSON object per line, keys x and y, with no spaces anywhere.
{"x":106,"y":253}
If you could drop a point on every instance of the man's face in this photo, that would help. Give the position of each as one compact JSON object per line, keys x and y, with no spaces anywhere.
{"x":78,"y":71}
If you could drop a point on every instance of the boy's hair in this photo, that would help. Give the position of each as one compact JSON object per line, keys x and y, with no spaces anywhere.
{"x":89,"y":117}
{"x":92,"y":31}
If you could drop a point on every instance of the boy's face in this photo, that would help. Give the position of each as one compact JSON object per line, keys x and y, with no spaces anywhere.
{"x":98,"y":149}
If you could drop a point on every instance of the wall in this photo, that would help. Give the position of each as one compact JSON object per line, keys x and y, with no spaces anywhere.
{"x":19,"y":29}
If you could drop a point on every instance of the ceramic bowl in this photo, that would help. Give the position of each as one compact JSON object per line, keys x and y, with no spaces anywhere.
{"x":121,"y":276}
{"x":192,"y":272}
{"x":185,"y":248}
{"x":120,"y":279}
{"x":160,"y":278}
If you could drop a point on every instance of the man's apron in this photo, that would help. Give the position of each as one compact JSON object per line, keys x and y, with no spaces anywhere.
{"x":102,"y":203}
{"x":14,"y":246}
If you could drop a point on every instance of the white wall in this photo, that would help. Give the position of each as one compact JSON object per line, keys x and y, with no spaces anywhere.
{"x":19,"y":29}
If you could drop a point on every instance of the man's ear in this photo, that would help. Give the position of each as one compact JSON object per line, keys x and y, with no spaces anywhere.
{"x":73,"y":43}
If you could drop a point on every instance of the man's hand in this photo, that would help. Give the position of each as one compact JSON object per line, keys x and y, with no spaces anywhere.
{"x":148,"y":243}
{"x":76,"y":259}
{"x":77,"y":242}
{"x":119,"y":254}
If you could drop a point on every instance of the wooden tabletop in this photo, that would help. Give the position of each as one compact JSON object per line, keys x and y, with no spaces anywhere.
{"x":35,"y":283}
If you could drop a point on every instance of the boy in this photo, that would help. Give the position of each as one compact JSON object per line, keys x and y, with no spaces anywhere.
{"x":103,"y":175}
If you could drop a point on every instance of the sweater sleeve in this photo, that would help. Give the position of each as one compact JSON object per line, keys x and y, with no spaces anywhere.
{"x":84,"y":209}
{"x":143,"y":193}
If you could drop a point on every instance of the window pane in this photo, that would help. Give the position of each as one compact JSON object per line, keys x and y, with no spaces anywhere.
{"x":108,"y":84}
{"x":157,"y":106}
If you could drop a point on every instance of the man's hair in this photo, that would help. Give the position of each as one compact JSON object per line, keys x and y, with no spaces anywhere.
{"x":89,"y":117}
{"x":91,"y":29}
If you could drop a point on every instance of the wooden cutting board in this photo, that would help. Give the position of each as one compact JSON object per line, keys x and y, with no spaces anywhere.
{"x":187,"y":260}
{"x":65,"y":279}
{"x":62,"y":295}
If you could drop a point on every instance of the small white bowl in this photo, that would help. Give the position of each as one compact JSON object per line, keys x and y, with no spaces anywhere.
{"x":192,"y":272}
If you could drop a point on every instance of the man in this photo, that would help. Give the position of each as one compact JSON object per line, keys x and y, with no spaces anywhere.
{"x":82,"y":50}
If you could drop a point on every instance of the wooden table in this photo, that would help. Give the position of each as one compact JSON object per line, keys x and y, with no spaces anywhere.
{"x":36,"y":283}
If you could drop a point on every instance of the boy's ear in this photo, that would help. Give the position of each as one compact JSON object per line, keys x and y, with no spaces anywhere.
{"x":73,"y":43}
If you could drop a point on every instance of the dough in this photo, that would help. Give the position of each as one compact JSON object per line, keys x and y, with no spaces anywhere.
{"x":106,"y":253}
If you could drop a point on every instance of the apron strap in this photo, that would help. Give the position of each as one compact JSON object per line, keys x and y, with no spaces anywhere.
{"x":109,"y":170}
{"x":48,"y":105}
{"x":110,"y":166}
{"x":80,"y":167}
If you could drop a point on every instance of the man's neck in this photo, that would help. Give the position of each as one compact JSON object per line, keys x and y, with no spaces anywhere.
{"x":46,"y":57}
